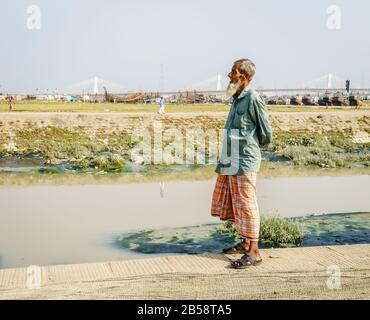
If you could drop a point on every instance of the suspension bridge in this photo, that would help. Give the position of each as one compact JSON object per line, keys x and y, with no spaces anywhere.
{"x":216,"y":85}
{"x":94,"y":86}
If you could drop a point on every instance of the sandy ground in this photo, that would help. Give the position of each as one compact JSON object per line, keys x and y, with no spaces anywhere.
{"x":358,"y":121}
{"x":330,"y":272}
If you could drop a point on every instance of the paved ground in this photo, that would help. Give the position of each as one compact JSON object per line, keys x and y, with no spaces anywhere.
{"x":299,"y":273}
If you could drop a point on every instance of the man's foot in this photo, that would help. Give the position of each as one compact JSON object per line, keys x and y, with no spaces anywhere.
{"x":238,"y":248}
{"x":246,"y":244}
{"x":253,"y":250}
{"x":246,"y":261}
{"x":242,"y":247}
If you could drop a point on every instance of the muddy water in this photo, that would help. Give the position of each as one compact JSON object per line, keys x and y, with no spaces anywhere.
{"x":73,"y":224}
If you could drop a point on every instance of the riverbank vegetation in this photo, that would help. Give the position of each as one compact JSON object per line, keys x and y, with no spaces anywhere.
{"x":111,"y":152}
{"x":329,"y":229}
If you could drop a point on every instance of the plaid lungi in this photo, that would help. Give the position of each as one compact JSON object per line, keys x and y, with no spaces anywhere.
{"x":235,"y":199}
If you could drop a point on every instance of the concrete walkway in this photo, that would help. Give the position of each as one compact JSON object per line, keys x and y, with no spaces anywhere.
{"x":330,"y":272}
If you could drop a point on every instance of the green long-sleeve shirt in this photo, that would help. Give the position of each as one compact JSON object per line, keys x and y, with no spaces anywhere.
{"x":247,"y":128}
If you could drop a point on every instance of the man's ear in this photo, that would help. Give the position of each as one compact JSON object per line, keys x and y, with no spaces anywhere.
{"x":242,"y":76}
{"x":245,"y":76}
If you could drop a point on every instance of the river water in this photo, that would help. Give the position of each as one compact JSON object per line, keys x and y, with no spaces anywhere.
{"x":41,"y":225}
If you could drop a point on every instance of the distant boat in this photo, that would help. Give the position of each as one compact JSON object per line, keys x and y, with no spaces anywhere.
{"x":134,"y":98}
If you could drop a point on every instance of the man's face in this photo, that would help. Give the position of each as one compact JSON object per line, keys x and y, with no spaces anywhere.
{"x":235,"y":75}
{"x":236,"y":80}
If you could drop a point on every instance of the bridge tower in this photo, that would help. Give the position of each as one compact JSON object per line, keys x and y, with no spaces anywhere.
{"x":96,"y":90}
{"x":219,"y":85}
{"x":330,"y":76}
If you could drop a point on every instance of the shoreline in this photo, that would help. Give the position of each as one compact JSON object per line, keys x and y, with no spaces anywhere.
{"x":269,"y":171}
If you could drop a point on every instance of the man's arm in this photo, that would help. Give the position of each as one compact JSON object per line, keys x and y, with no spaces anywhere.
{"x":259,"y":115}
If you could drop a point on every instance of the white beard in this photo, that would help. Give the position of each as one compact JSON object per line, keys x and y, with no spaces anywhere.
{"x":232,"y":88}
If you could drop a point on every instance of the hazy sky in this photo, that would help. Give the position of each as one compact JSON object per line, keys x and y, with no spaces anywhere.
{"x":127,"y":41}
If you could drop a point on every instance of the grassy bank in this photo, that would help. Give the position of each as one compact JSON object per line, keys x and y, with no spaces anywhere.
{"x":55,"y":146}
{"x":111,"y":152}
{"x":274,"y":231}
{"x":327,"y":151}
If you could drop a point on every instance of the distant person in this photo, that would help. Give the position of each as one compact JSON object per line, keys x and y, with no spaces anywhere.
{"x":247,"y":129}
{"x":161,"y":106}
{"x":11,"y":101}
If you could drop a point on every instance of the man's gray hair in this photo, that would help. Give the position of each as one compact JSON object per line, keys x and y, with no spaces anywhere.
{"x":247,"y":67}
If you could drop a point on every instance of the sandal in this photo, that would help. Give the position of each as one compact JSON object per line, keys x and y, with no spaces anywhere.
{"x":246,"y":261}
{"x":239,"y":248}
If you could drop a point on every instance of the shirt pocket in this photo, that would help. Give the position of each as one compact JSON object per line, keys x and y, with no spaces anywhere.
{"x":241,"y":109}
{"x":241,"y":117}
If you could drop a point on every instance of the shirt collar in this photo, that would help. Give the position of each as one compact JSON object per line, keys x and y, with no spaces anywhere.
{"x":243,"y":93}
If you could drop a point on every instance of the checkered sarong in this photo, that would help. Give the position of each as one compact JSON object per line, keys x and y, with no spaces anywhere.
{"x":235,"y":199}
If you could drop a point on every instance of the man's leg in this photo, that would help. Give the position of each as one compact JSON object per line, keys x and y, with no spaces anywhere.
{"x":222,"y":205}
{"x":221,"y":200}
{"x":245,"y":207}
{"x":246,"y":244}
{"x":253,"y":249}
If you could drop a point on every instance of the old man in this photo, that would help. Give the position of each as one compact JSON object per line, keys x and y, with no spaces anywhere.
{"x":247,"y":129}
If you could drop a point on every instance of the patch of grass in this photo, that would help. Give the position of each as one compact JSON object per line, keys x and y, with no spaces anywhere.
{"x":301,"y":141}
{"x":56,"y":145}
{"x":108,"y":161}
{"x":228,"y":229}
{"x":281,"y":231}
{"x":326,"y":151}
{"x":274,"y":231}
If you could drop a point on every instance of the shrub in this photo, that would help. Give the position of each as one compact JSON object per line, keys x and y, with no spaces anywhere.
{"x":274,"y":230}
{"x":300,"y":141}
{"x":108,"y":161}
{"x":281,"y":231}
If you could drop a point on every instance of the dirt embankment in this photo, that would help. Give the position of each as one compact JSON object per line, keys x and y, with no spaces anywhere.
{"x":357,"y":121}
